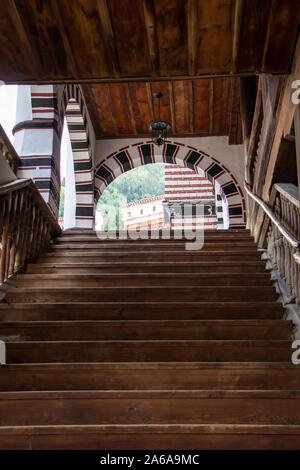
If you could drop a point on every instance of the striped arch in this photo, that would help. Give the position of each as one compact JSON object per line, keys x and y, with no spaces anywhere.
{"x":74,"y":108}
{"x":176,"y":153}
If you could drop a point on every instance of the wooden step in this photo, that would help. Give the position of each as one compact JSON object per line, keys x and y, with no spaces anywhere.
{"x":209,"y":236}
{"x":142,"y":256}
{"x":152,"y":436}
{"x":148,"y":351}
{"x":145,"y":330}
{"x":142,"y":279}
{"x":149,"y":407}
{"x":151,"y":247}
{"x":151,"y":376}
{"x":157,"y":233}
{"x":143,"y":294}
{"x":147,"y":267}
{"x":139,"y":311}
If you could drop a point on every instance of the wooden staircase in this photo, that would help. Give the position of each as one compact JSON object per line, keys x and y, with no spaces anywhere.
{"x":144,"y":345}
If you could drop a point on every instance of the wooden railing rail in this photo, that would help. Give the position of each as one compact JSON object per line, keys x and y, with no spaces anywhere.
{"x":281,"y":233}
{"x":26,"y":226}
{"x":8,"y":151}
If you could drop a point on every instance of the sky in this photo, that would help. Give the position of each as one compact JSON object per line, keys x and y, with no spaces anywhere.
{"x":8,"y":106}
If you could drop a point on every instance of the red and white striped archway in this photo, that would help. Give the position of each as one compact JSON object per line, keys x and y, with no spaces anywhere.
{"x":143,"y":153}
{"x":74,"y":108}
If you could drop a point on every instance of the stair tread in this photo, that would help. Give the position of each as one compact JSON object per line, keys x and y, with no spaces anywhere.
{"x":227,"y":322}
{"x":89,"y":394}
{"x":269,"y":365}
{"x":153,"y":428}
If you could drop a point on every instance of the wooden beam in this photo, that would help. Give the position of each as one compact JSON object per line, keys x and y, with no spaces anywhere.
{"x":32,"y":55}
{"x":193,"y":35}
{"x":237,"y":26}
{"x":108,"y":37}
{"x":150,"y":25}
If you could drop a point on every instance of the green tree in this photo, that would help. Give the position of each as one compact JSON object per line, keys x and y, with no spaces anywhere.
{"x":140,"y":183}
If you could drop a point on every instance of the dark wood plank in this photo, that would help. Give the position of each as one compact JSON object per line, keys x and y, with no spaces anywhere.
{"x":183,"y":106}
{"x":281,"y":38}
{"x":130,"y":37}
{"x":140,"y":106}
{"x":108,"y":38}
{"x":201,"y":105}
{"x":172,"y":36}
{"x":215,"y":37}
{"x":121,"y":108}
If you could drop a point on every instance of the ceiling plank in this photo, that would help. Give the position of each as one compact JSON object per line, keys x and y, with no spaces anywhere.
{"x":32,"y":57}
{"x":214,"y":24}
{"x":108,"y":37}
{"x":281,"y":36}
{"x":172,"y":107}
{"x":193,"y":36}
{"x":150,"y":99}
{"x":191,"y":104}
{"x":127,"y":19}
{"x":150,"y":22}
{"x":92,"y":108}
{"x":211,"y":106}
{"x":119,"y":99}
{"x":171,"y":30}
{"x":237,"y":26}
{"x":65,"y":39}
{"x":165,"y":109}
{"x":182,"y":107}
{"x":130,"y":107}
{"x":141,"y":106}
{"x":201,"y":105}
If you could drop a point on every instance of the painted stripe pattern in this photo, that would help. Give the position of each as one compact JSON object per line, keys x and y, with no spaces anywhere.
{"x":73,"y":106}
{"x":42,"y":131}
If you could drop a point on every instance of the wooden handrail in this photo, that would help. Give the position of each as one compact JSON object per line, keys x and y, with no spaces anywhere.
{"x":26,"y":226}
{"x":287,"y":235}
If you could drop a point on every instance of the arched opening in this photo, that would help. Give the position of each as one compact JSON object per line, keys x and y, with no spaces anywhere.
{"x":230,"y":195}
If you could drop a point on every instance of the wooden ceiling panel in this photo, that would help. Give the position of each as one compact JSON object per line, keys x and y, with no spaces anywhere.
{"x":201,"y":105}
{"x":44,"y":34}
{"x":172,"y":36}
{"x":219,"y":86}
{"x":103,"y":119}
{"x":214,"y":25}
{"x":165,"y":106}
{"x":192,"y":107}
{"x":130,"y":37}
{"x":44,"y":41}
{"x":141,"y":105}
{"x":122,"y":108}
{"x":253,"y":34}
{"x":14,"y":64}
{"x":81,"y":21}
{"x":286,"y":17}
{"x":183,"y":106}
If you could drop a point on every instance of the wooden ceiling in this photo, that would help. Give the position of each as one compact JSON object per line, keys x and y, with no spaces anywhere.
{"x":197,"y":107}
{"x":113,"y":40}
